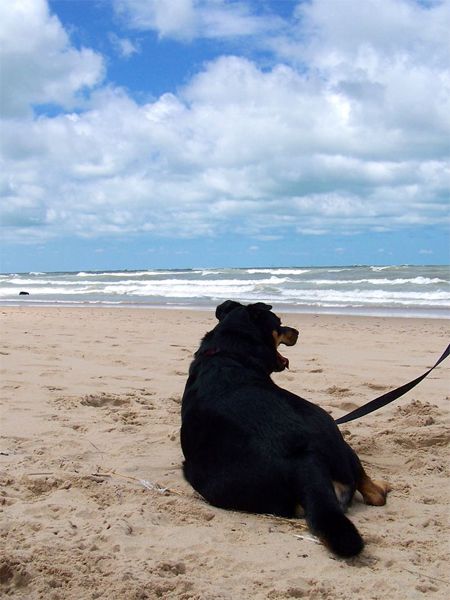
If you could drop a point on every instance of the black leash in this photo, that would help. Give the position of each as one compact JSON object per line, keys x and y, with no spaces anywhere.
{"x":381,"y":401}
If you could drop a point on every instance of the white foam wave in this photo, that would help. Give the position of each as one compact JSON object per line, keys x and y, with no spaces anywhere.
{"x":193,"y":288}
{"x":57,"y":283}
{"x":375,"y":281}
{"x":408,"y":287}
{"x":370,"y":297}
{"x":125,"y":274}
{"x":277,"y":271}
{"x":164,"y":287}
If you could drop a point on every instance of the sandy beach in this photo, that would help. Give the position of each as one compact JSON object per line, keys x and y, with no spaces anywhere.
{"x":93,"y":503}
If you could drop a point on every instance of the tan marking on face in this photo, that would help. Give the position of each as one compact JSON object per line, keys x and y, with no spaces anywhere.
{"x":277,"y":338}
{"x":288,"y":337}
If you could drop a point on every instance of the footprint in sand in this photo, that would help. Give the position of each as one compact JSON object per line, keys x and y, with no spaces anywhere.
{"x":98,"y":401}
{"x":376,"y":386}
{"x":13,"y":574}
{"x":128,"y":417}
{"x":418,"y":440}
{"x":40,"y":485}
{"x":345,"y":405}
{"x":339,"y":391}
{"x":179,"y":373}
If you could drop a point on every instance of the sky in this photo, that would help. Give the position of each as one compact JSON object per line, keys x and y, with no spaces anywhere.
{"x":200,"y":133}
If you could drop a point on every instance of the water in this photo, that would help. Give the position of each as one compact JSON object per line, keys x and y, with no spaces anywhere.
{"x":395,"y":290}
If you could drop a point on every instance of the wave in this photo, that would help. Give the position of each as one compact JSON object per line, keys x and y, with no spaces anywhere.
{"x":169,"y":287}
{"x":276,"y":271}
{"x":125,"y":283}
{"x":340,"y":270}
{"x":360,"y":286}
{"x":123,"y":274}
{"x":247,"y":291}
{"x":370,"y":296}
{"x":414,"y":281}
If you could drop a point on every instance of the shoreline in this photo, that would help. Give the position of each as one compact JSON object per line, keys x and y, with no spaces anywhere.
{"x":379,"y":312}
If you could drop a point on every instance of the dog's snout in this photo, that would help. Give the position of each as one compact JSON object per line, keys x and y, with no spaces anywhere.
{"x":289,"y":336}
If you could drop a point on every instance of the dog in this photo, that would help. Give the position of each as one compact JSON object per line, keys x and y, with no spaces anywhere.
{"x":250,"y":445}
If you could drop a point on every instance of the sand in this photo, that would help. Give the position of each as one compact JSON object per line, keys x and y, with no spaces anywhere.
{"x":90,"y":420}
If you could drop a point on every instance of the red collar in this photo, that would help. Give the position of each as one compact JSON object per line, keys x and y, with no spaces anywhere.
{"x":211,"y":352}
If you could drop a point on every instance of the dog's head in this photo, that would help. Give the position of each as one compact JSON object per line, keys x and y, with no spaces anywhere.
{"x":261,"y":327}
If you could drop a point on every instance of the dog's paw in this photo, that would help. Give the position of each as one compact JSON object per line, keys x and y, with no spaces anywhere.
{"x":374,"y":492}
{"x":376,"y":495}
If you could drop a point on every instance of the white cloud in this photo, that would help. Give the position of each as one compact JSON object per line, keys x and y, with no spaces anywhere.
{"x":38,"y":63}
{"x":189,"y":19}
{"x":124,"y":47}
{"x":357,"y":142}
{"x":387,"y":60}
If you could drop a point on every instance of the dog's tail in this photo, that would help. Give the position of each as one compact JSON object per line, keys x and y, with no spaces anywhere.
{"x":324,"y":514}
{"x":335,"y":530}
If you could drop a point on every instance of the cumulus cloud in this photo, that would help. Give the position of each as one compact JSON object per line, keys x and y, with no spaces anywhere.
{"x":38,"y":63}
{"x":357,"y":141}
{"x":387,"y":62}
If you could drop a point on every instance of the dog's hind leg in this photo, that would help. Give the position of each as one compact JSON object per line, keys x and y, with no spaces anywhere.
{"x":324,"y":515}
{"x":344,"y":494}
{"x":373,"y":492}
{"x":263,"y":488}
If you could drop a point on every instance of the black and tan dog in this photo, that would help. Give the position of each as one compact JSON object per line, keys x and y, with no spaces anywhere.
{"x":250,"y":445}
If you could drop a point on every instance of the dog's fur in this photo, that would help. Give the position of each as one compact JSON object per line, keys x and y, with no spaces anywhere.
{"x":250,"y":445}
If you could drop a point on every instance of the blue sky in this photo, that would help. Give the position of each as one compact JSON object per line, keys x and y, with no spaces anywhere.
{"x":186,"y":133}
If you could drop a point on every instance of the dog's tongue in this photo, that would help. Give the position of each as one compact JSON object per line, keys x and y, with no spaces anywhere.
{"x":283,"y":361}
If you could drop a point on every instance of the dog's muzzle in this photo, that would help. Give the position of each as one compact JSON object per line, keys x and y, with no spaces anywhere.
{"x":287,"y":336}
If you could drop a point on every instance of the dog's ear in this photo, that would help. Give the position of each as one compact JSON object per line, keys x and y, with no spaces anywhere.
{"x":226,"y":307}
{"x":260,"y":306}
{"x":257,"y":310}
